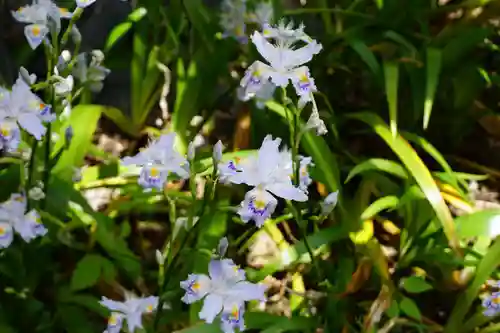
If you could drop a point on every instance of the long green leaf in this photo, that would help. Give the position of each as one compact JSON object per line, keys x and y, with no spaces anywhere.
{"x":391,"y":77}
{"x":378,"y":164}
{"x":366,"y":54}
{"x":419,"y":171}
{"x":121,"y":29}
{"x":431,"y":150}
{"x":433,"y":71}
{"x":388,"y":202}
{"x":83,"y":120}
{"x":139,"y":58}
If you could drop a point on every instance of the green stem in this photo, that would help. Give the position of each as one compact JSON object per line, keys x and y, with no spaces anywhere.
{"x":173,"y":263}
{"x":303,"y":235}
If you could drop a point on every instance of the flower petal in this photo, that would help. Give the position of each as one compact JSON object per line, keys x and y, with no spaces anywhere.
{"x":212,"y":306}
{"x":287,"y":191}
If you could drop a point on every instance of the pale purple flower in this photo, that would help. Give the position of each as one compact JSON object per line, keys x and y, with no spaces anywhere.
{"x":222,"y":290}
{"x":158,"y":160}
{"x":130,"y":310}
{"x":279,"y":46}
{"x":13,"y":218}
{"x":269,"y":172}
{"x":40,"y":16}
{"x":258,"y":206}
{"x":232,"y":19}
{"x":491,"y":304}
{"x":24,"y":107}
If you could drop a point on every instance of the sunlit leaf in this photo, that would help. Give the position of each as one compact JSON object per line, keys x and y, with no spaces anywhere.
{"x":433,"y":70}
{"x":419,"y":171}
{"x":378,"y":164}
{"x":121,"y":29}
{"x":391,"y":76}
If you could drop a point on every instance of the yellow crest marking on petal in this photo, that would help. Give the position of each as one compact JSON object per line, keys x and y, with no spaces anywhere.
{"x":36,"y":31}
{"x":259,"y":204}
{"x":113,"y":319}
{"x":236,"y":312}
{"x":4,"y":131}
{"x":196,"y":286}
{"x":3,"y":231}
{"x":149,"y":308}
{"x":496,"y":300}
{"x":154,"y":172}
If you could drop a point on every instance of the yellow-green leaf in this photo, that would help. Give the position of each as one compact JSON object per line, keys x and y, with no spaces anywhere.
{"x":391,"y":77}
{"x":433,"y":71}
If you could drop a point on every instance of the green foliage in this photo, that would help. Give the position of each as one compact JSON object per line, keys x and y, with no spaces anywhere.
{"x":401,"y":85}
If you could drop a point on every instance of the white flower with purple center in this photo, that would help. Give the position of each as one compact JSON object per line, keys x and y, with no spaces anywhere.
{"x":131,"y":311}
{"x":24,"y":107}
{"x":268,"y":172}
{"x":491,"y":304}
{"x":258,"y":206}
{"x":284,"y":57}
{"x":13,"y":218}
{"x":222,"y":290}
{"x":158,"y":160}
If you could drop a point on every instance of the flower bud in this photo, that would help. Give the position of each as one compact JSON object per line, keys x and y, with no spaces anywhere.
{"x":76,"y":35}
{"x":217,"y":153}
{"x":329,"y":203}
{"x":191,"y":151}
{"x":222,"y":247}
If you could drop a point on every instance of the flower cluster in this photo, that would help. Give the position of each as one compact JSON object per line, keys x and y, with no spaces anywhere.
{"x":20,"y":106}
{"x":13,"y":218}
{"x":158,"y":160}
{"x":224,"y":292}
{"x":131,"y":311}
{"x":235,"y":15}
